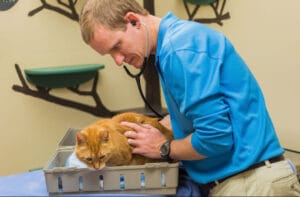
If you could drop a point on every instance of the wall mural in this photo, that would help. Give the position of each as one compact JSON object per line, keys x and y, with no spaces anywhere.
{"x":152,"y":90}
{"x":152,"y":87}
{"x":67,"y":9}
{"x":192,"y":7}
{"x":45,"y":93}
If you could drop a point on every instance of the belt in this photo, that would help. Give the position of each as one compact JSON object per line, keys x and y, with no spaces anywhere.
{"x":212,"y":184}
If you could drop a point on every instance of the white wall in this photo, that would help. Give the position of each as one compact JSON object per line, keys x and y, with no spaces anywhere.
{"x":264,"y":32}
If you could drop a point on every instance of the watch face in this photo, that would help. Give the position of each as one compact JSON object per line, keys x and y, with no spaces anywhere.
{"x":165,"y":150}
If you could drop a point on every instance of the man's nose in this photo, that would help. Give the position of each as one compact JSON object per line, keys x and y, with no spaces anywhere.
{"x":118,"y":58}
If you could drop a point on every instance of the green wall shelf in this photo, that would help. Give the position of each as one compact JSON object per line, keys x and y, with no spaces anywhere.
{"x":62,"y":76}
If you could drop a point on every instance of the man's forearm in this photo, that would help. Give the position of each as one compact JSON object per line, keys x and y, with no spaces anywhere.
{"x":183,"y":150}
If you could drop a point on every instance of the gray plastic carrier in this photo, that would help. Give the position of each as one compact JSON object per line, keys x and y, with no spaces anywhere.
{"x":151,"y":178}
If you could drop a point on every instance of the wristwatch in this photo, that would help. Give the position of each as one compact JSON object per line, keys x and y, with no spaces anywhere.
{"x":165,"y":150}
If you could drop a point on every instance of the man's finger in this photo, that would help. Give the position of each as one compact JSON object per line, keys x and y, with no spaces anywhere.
{"x":147,"y":126}
{"x":132,"y":125}
{"x":137,"y":151}
{"x":130,"y":134}
{"x":132,"y":142}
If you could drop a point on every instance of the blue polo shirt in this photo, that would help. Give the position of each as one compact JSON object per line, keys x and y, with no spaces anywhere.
{"x":211,"y":93}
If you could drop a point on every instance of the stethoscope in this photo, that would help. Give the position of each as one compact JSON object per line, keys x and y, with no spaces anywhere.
{"x":137,"y":76}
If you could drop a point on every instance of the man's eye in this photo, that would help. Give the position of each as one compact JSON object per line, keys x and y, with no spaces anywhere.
{"x":116,"y":47}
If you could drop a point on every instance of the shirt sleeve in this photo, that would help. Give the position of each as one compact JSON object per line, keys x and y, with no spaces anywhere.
{"x":195,"y":81}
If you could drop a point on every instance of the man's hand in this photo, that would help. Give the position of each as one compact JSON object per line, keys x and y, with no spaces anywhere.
{"x":145,"y":139}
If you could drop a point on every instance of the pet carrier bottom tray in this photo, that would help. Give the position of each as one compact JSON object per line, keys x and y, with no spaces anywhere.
{"x":151,"y":178}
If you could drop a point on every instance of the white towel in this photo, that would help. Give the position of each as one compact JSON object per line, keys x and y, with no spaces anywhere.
{"x":73,"y":161}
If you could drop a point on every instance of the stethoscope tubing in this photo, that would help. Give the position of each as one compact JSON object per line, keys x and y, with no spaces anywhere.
{"x":137,"y":78}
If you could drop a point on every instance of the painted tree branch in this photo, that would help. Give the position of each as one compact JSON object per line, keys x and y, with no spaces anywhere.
{"x":219,"y":16}
{"x":190,"y":14}
{"x":44,"y":93}
{"x":70,"y":12}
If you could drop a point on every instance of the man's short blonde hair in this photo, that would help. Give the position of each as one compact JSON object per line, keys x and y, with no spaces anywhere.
{"x":109,"y":13}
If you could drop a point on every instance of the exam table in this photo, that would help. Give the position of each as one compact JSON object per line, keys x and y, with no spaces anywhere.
{"x":33,"y":184}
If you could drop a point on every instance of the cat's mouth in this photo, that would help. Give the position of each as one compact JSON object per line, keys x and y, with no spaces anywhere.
{"x":97,"y":167}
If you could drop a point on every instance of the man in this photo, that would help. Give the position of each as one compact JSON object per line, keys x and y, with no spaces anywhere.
{"x":223,"y":133}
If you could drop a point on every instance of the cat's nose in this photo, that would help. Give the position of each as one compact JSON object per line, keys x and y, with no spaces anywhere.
{"x":102,"y":166}
{"x":98,"y":166}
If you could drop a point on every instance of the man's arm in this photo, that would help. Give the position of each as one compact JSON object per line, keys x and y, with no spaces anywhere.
{"x":166,"y":122}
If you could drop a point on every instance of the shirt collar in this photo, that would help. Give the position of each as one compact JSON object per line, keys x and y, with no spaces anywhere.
{"x":164,"y":25}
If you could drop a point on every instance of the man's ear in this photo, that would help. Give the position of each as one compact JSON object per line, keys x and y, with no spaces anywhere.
{"x":132,"y":18}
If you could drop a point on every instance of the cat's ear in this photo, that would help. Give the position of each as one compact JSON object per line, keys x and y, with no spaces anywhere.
{"x":105,"y":136}
{"x":80,"y":138}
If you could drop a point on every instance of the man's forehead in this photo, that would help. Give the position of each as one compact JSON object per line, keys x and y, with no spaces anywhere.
{"x":102,"y":39}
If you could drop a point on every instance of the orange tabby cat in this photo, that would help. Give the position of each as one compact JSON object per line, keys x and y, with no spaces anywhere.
{"x":103,"y":143}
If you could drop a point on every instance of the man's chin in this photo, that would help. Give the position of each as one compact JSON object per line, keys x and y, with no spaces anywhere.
{"x":140,"y":65}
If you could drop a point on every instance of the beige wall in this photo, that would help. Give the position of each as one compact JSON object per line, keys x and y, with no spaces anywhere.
{"x":266,"y":33}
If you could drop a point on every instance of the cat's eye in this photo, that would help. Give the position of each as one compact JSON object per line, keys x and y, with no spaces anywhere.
{"x":89,"y":159}
{"x":102,"y":157}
